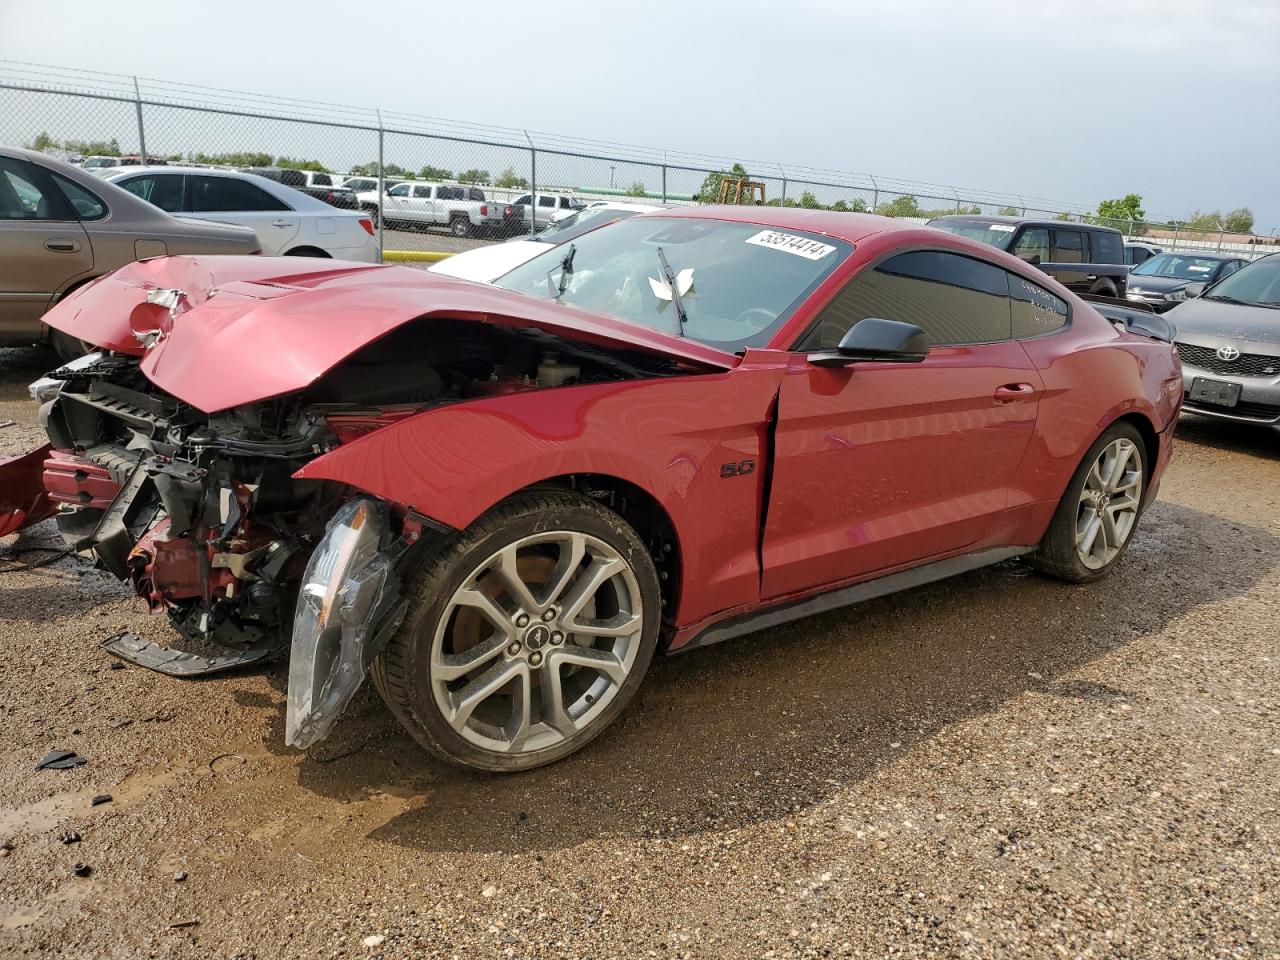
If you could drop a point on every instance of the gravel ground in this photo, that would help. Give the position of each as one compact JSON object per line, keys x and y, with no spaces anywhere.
{"x":994,"y":766}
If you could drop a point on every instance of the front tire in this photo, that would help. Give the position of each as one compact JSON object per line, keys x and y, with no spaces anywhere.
{"x":1096,"y":518}
{"x":527,"y":634}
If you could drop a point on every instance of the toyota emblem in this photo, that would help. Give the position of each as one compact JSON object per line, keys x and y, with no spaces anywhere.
{"x":1228,"y":353}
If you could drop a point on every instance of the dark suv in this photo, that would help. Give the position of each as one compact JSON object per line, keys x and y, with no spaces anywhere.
{"x":1081,"y":256}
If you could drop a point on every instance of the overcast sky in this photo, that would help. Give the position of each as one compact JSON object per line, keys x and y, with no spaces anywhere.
{"x":1071,"y":100}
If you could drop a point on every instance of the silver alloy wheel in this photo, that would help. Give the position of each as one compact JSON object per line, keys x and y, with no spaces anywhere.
{"x":1109,"y":500}
{"x":536,"y":642}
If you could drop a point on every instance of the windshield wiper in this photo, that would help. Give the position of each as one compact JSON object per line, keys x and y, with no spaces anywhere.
{"x":1221,"y":299}
{"x":676,"y":301}
{"x":566,"y":271}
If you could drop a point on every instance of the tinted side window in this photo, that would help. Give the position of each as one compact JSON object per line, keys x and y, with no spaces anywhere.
{"x":321,"y":180}
{"x":1068,"y":247}
{"x":476,"y":194}
{"x":1230,"y":267}
{"x":1033,"y":242}
{"x":292,"y":178}
{"x":954,"y":299}
{"x":163,"y":190}
{"x":228,"y":195}
{"x":422,"y":193}
{"x":546,"y":201}
{"x":86,"y":205}
{"x":20,"y":198}
{"x":1036,"y":311}
{"x":525,"y":199}
{"x":1107,"y":248}
{"x":399,"y":190}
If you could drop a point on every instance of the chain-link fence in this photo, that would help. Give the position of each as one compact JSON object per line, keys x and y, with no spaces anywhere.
{"x":522,"y":180}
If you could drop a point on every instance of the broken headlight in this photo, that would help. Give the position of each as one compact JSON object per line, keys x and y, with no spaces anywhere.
{"x":349,"y":587}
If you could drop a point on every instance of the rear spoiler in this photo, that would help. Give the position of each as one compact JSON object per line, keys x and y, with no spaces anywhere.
{"x":1138,"y":317}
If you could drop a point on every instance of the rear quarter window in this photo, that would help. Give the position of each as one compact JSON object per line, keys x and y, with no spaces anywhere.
{"x":1036,"y":311}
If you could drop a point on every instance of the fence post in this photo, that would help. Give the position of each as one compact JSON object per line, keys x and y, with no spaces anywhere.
{"x":382,"y":187}
{"x":1220,"y":233}
{"x":1176,"y":228}
{"x":664,"y":183}
{"x":142,"y":137}
{"x":533,"y":185}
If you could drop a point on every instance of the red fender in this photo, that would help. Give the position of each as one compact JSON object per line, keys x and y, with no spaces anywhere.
{"x":670,"y":437}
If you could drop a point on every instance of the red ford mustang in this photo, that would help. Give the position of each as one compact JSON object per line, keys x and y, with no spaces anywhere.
{"x":502,"y":500}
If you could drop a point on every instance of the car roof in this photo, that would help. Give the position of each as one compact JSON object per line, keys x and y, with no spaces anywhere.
{"x":844,"y":226}
{"x":1198,"y":255}
{"x":1002,"y":218}
{"x":301,"y":202}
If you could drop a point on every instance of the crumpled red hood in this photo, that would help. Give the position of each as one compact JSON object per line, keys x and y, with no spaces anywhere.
{"x":249,"y":328}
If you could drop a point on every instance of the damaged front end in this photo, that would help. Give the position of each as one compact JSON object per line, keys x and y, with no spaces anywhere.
{"x":201,"y":515}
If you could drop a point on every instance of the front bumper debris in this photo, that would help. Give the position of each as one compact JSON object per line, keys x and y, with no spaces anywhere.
{"x":349,"y":604}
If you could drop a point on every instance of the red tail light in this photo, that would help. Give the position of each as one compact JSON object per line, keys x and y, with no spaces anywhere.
{"x":484,"y":210}
{"x":507,"y":212}
{"x":368,"y":225}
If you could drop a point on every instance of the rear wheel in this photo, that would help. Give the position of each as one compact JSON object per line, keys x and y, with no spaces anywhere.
{"x":460,"y":227}
{"x":527,"y":634}
{"x":1096,"y":517}
{"x":307,"y":252}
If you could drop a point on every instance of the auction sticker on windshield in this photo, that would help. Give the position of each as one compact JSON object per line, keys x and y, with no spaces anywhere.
{"x":791,"y":243}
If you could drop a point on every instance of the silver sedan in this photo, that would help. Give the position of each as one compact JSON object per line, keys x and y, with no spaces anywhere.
{"x":1228,"y":338}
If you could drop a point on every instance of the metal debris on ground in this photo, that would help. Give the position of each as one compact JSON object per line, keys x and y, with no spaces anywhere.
{"x":100,"y":799}
{"x":60,"y":760}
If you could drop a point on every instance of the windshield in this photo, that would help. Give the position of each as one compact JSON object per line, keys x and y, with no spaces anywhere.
{"x":996,"y":235}
{"x":1257,"y":283}
{"x":102,"y":162}
{"x":576,"y":224}
{"x":737,"y":282}
{"x":1178,"y":267}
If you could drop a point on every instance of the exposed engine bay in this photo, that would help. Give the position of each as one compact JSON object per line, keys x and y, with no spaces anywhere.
{"x":200,"y":512}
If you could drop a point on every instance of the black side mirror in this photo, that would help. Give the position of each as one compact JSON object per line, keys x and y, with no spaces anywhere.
{"x":1193,"y":290}
{"x":1034,"y":259}
{"x":874,"y":339}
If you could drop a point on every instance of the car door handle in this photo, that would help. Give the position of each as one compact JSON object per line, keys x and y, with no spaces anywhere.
{"x":1011,"y":392}
{"x":281,"y":223}
{"x":62,"y":245}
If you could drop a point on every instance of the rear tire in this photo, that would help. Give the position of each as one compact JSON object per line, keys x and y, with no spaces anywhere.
{"x":308,"y":252}
{"x":1098,"y":514}
{"x":460,"y":227}
{"x":526,"y":635}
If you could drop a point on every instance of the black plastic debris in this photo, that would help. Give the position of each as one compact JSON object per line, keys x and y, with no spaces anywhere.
{"x":180,"y":924}
{"x":82,"y":870}
{"x":100,"y":799}
{"x":70,"y":837}
{"x":115,"y":665}
{"x":177,"y":663}
{"x":60,"y":760}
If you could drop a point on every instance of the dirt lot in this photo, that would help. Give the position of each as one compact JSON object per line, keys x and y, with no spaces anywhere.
{"x":996,"y":766}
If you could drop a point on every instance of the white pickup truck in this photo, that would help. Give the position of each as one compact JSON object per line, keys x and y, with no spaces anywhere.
{"x":463,"y":209}
{"x":551,"y":207}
